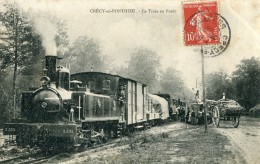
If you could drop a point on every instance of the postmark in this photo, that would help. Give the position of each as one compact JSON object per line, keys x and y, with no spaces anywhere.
{"x":224,"y":39}
{"x":205,"y":27}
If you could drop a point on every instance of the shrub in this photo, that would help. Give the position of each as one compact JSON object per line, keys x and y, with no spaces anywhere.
{"x":255,"y":112}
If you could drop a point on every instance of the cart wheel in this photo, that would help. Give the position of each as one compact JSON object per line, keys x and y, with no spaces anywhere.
{"x":235,"y":122}
{"x":215,"y":116}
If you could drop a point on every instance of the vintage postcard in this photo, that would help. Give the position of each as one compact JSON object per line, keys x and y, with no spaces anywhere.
{"x":159,"y":81}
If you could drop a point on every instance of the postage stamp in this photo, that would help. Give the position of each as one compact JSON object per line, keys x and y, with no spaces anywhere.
{"x":201,"y":23}
{"x":205,"y":26}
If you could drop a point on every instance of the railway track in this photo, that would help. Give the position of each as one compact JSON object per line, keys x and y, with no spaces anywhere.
{"x":21,"y":158}
{"x":36,"y":160}
{"x":40,"y":157}
{"x":80,"y":157}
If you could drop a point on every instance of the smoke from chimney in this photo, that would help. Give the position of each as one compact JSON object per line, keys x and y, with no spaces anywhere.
{"x":47,"y":31}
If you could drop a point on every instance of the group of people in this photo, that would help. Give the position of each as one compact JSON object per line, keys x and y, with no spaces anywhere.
{"x":180,"y":110}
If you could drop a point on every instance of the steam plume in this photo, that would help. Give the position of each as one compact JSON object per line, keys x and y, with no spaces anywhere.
{"x":47,"y":31}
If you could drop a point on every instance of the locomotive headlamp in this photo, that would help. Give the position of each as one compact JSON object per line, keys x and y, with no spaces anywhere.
{"x":44,"y":105}
{"x":45,"y":80}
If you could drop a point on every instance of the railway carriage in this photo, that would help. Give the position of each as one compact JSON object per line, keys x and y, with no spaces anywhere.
{"x":172,"y":105}
{"x":158,"y":109}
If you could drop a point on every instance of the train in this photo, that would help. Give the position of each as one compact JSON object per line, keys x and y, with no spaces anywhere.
{"x":175,"y":106}
{"x":85,"y":108}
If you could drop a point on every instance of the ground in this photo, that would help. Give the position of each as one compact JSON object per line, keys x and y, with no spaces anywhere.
{"x":181,"y":143}
{"x":245,"y":139}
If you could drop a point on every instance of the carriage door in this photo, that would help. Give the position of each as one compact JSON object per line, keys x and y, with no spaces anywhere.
{"x":131,"y":103}
{"x":139,"y":102}
{"x":145,"y":111}
{"x":129,"y":106}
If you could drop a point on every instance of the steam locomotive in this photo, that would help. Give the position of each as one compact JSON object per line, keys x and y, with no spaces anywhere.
{"x":71,"y":110}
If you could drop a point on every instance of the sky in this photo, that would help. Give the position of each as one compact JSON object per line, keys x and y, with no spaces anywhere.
{"x":120,"y":33}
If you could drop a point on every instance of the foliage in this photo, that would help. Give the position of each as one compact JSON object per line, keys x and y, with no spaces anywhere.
{"x":19,"y":46}
{"x":171,"y":82}
{"x":120,"y":70}
{"x":5,"y":96}
{"x":243,"y":86}
{"x":246,"y":80}
{"x":61,"y":38}
{"x":144,"y":66}
{"x":255,"y":111}
{"x":218,"y":83}
{"x":84,"y":54}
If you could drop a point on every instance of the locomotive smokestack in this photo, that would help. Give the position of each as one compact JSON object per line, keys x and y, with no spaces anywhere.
{"x":51,"y":67}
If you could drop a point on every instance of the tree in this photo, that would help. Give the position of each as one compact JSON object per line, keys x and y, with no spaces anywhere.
{"x":171,"y":82}
{"x":84,"y":54}
{"x":246,"y":80}
{"x":61,"y":38}
{"x":144,"y":66}
{"x":120,"y":70}
{"x":18,"y":42}
{"x":218,"y":83}
{"x":5,"y":96}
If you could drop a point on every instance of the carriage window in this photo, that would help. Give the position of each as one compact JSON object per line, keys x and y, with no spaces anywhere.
{"x":92,"y":85}
{"x":106,"y":85}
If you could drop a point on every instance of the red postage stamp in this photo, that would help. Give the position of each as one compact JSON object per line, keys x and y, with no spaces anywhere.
{"x":201,"y":23}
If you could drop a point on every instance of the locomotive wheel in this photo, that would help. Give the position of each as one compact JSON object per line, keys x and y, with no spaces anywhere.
{"x":215,"y":116}
{"x":95,"y":142}
{"x":235,"y":122}
{"x":19,"y":140}
{"x":81,"y":147}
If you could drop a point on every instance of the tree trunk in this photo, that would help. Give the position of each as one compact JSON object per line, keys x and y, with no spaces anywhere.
{"x":15,"y":66}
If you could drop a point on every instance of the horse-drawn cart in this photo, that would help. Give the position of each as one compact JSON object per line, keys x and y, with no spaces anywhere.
{"x":226,"y":110}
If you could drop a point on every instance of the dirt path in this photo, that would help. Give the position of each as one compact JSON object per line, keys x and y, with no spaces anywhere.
{"x":245,"y":139}
{"x":173,"y":143}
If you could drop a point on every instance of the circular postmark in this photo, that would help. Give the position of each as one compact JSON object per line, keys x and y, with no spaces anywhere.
{"x":224,"y":39}
{"x":212,"y":33}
